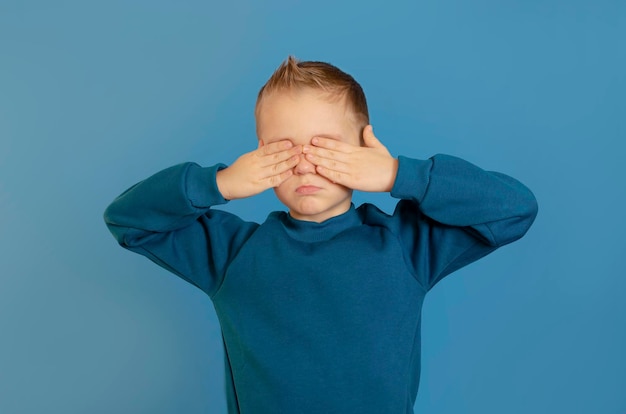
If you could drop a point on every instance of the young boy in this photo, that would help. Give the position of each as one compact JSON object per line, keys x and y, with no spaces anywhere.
{"x":320,"y":306}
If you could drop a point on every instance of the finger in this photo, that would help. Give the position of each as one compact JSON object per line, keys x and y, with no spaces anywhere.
{"x":328,"y":163}
{"x":316,"y":152}
{"x":341,"y":153}
{"x":332,"y":175}
{"x":276,"y":180}
{"x":369,"y":138}
{"x":277,"y":157}
{"x":281,"y":167}
{"x":331,"y":144}
{"x":274,"y":147}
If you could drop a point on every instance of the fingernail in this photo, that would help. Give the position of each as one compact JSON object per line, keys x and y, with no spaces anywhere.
{"x":306,"y":148}
{"x":314,"y":141}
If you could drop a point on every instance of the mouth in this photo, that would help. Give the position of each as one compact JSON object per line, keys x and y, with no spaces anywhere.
{"x":307,"y":189}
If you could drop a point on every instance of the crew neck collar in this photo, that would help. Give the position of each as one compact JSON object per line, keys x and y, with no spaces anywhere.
{"x":311,"y":231}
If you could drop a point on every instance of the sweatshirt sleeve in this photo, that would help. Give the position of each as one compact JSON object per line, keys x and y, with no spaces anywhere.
{"x":167,"y":218}
{"x":452,"y":213}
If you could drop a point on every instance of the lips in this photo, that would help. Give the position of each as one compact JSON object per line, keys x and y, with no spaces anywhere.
{"x":307,"y":189}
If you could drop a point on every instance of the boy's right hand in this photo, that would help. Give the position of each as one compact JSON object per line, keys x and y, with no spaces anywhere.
{"x":254,"y":172}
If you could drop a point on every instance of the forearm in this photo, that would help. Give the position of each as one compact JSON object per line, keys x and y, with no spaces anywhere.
{"x":454,"y":192}
{"x":170,"y":199}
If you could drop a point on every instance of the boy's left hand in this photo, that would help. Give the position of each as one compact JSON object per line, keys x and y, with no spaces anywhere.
{"x":369,"y":168}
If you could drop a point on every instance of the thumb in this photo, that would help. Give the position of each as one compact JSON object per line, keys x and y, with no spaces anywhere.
{"x":369,"y":139}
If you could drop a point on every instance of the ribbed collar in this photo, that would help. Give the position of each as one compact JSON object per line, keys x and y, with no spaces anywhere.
{"x":310,"y":231}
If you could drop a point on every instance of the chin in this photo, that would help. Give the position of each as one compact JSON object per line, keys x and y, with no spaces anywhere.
{"x":308,"y":213}
{"x":309,"y":206}
{"x":304,"y":214}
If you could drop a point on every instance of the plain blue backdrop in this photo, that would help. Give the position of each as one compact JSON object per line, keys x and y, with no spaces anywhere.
{"x":95,"y":96}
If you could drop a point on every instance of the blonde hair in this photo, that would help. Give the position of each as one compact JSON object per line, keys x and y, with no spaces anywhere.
{"x":293,"y":75}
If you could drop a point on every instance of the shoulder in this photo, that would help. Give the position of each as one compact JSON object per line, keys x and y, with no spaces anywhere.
{"x":371,"y":214}
{"x":368,"y":211}
{"x":272,"y":220}
{"x":406,"y":213}
{"x":274,"y":217}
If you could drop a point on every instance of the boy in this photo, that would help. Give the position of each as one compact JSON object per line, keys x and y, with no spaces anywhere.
{"x":320,"y":306}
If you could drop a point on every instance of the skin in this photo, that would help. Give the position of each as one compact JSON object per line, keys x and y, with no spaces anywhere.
{"x":309,"y":152}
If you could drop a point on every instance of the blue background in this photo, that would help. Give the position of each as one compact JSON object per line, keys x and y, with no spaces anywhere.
{"x":95,"y":96}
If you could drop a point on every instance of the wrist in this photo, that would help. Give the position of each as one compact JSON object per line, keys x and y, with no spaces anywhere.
{"x":393,"y":173}
{"x":221,"y":180}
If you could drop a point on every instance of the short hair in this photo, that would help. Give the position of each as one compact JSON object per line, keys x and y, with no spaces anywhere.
{"x":293,"y":74}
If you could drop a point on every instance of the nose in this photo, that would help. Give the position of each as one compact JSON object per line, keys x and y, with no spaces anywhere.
{"x":304,"y":166}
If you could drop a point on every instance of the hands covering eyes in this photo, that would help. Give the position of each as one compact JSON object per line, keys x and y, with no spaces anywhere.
{"x":365,"y":168}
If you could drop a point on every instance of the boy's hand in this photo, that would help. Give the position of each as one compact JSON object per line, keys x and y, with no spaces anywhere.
{"x":254,"y":172}
{"x":368,"y":168}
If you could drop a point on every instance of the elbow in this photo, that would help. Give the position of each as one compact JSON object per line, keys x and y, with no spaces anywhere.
{"x":533,"y":209}
{"x":119,"y":232}
{"x":529,"y":212}
{"x":517,"y":226}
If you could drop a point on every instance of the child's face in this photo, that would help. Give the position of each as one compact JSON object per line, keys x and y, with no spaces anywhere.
{"x":299,"y":116}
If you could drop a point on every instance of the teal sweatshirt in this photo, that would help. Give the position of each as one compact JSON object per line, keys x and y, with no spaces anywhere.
{"x":323,"y":317}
